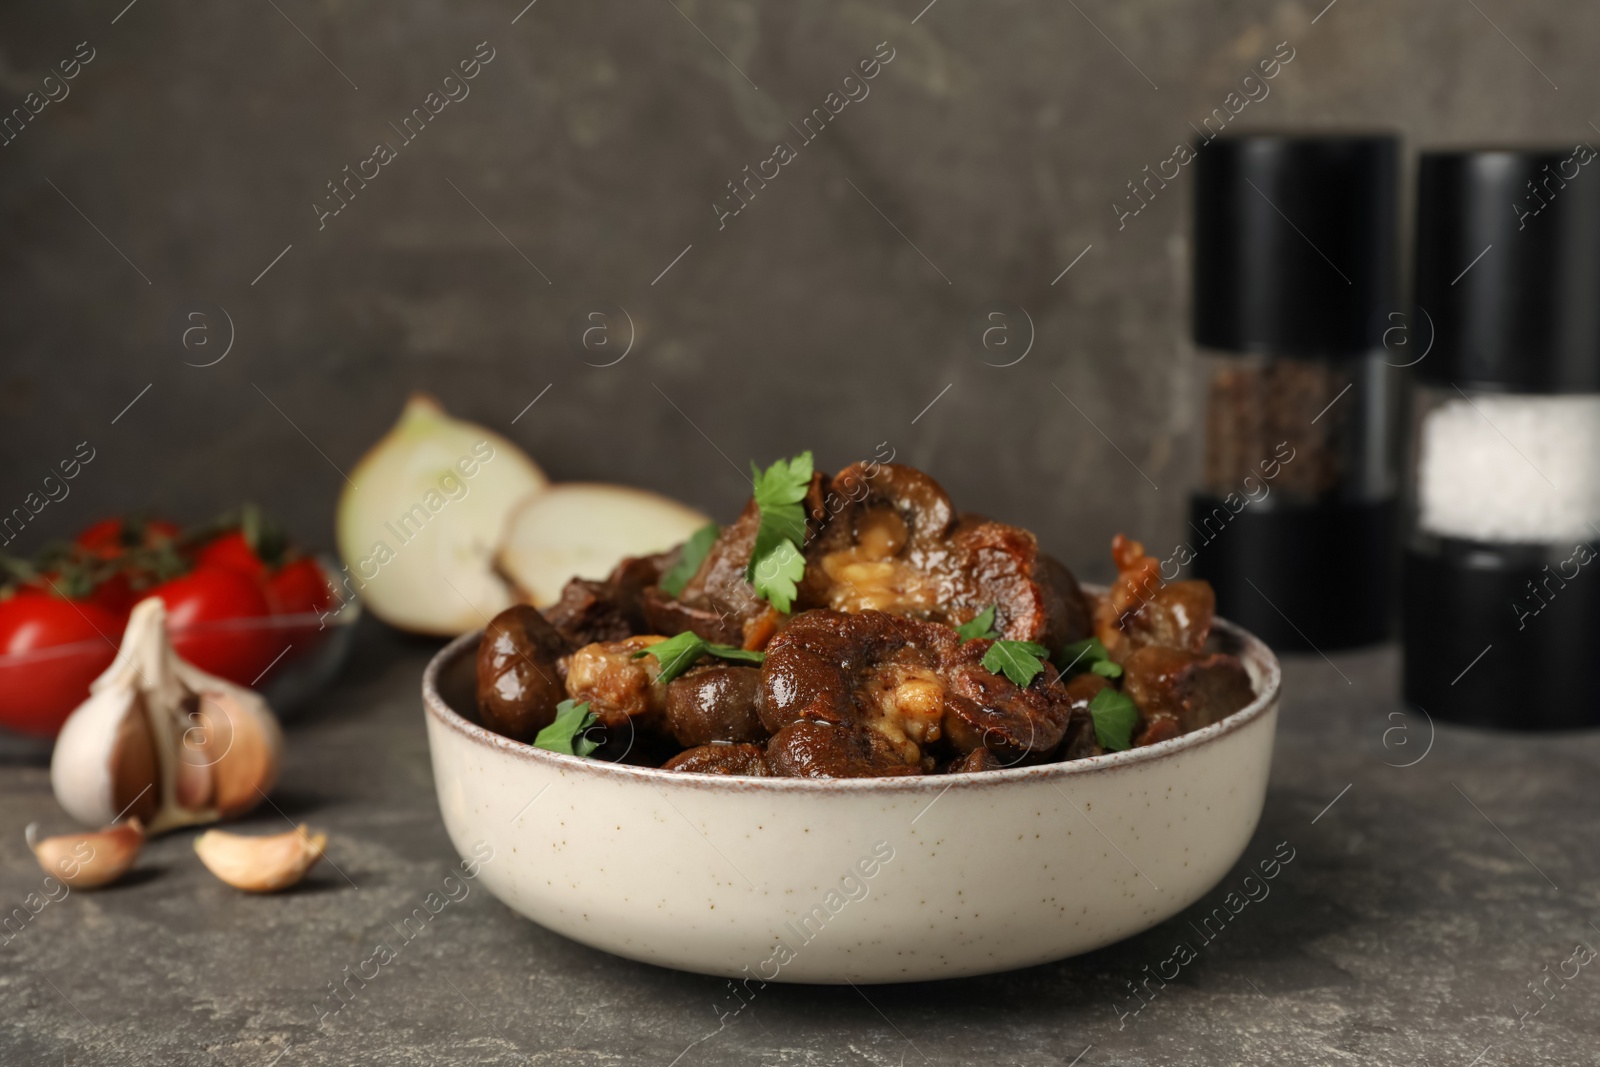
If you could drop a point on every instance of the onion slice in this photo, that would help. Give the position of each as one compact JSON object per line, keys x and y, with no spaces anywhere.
{"x":583,"y":530}
{"x":420,"y":521}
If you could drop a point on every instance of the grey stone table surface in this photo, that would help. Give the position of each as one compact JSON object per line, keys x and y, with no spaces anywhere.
{"x":1420,"y":904}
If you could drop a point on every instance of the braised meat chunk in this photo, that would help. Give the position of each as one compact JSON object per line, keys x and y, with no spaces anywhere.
{"x":612,"y":610}
{"x":871,"y":670}
{"x":1141,"y":609}
{"x":520,"y":676}
{"x":747,"y":760}
{"x":1192,"y":689}
{"x":716,"y":702}
{"x":588,"y":612}
{"x":988,"y":710}
{"x":807,"y":749}
{"x":1158,"y":631}
{"x":916,"y":685}
{"x":621,"y":688}
{"x":894,"y":543}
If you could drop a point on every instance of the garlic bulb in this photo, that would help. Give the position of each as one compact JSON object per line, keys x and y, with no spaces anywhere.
{"x":161,"y":740}
{"x":419,"y":523}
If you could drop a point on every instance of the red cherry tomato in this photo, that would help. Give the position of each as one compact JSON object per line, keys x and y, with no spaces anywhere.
{"x":108,"y":538}
{"x":208,"y":618}
{"x":50,"y":650}
{"x":233,"y":552}
{"x":116,"y":595}
{"x":301,"y":588}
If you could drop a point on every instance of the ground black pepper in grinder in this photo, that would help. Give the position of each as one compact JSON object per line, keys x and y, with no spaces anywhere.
{"x":1295,"y":273}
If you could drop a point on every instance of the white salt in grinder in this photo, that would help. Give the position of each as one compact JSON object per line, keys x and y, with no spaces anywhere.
{"x":1501,"y":569}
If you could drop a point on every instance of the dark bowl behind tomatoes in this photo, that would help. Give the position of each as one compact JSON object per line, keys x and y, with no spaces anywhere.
{"x":286,"y":657}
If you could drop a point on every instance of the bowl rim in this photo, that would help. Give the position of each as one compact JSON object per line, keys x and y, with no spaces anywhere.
{"x":1252,"y":650}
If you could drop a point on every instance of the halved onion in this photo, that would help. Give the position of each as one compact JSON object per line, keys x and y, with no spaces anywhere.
{"x":583,"y":530}
{"x":419,"y":526}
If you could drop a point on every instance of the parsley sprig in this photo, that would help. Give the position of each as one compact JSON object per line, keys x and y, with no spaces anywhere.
{"x":1017,"y":660}
{"x":776,"y":565}
{"x":678,"y":654}
{"x":1115,"y":716}
{"x":1088,"y":655}
{"x":567,"y":734}
{"x":979,"y":627}
{"x":693,"y":554}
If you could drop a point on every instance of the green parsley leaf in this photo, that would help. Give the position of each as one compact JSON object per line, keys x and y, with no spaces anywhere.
{"x":566,"y":735}
{"x":1087,"y":655}
{"x":979,"y":627}
{"x":777,"y":576}
{"x":1017,"y":660}
{"x":775,"y":560}
{"x":675,"y":654}
{"x":678,"y":654}
{"x":785,"y":482}
{"x":779,"y":491}
{"x":738,"y":655}
{"x":690,"y":557}
{"x":1115,"y":716}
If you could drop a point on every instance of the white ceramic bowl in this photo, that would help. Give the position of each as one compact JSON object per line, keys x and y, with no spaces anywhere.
{"x":860,"y":880}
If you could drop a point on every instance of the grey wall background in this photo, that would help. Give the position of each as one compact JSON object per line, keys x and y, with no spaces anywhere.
{"x":190,"y":150}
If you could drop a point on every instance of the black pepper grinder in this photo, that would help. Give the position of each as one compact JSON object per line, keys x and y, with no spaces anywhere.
{"x":1295,"y":275}
{"x":1501,"y":579}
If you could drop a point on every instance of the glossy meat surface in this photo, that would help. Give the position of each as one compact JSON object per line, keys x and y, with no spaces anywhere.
{"x":1140,"y":609}
{"x":715,"y":702}
{"x":916,"y":685}
{"x":722,"y":758}
{"x":590,"y":611}
{"x":620,"y":688}
{"x":820,"y":750}
{"x":520,"y":680}
{"x":893,"y":542}
{"x":1192,"y":688}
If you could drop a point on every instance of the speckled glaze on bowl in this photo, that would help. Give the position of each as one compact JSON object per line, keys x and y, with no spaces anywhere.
{"x":859,"y":880}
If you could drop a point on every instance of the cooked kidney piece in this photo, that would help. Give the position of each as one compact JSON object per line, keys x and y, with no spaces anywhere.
{"x":895,"y":543}
{"x":520,"y":675}
{"x":858,"y":626}
{"x":917,"y":686}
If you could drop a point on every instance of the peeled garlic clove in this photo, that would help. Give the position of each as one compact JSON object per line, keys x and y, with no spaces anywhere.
{"x":88,"y":861}
{"x":163,"y":740}
{"x":421,"y":517}
{"x":260,"y":864}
